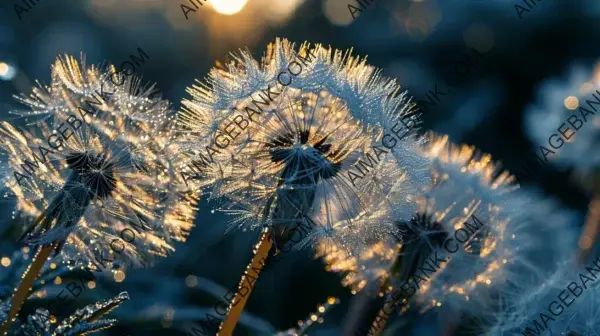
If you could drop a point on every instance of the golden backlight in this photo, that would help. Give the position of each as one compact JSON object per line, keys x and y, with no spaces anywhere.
{"x":228,"y":7}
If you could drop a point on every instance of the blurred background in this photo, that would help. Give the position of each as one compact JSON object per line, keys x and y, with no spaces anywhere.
{"x":524,"y":58}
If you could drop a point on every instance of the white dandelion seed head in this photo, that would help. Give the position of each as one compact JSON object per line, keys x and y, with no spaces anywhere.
{"x":294,"y":159}
{"x":473,"y":209}
{"x":558,"y":100}
{"x":107,"y":187}
{"x":284,"y":152}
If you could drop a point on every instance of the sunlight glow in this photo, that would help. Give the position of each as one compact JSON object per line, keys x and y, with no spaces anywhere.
{"x":7,"y":71}
{"x":228,"y":7}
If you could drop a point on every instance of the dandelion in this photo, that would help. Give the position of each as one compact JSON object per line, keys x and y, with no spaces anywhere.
{"x":564,"y":120}
{"x":473,"y":237}
{"x":279,"y":139}
{"x":94,"y":183}
{"x":574,"y":99}
{"x":510,"y":242}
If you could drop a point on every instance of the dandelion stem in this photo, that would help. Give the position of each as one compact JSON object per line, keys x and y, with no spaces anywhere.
{"x":286,"y":208}
{"x":241,"y":297}
{"x":61,"y":211}
{"x":379,"y":324}
{"x":32,"y":272}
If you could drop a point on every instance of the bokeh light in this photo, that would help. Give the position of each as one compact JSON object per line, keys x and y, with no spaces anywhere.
{"x":280,"y":10}
{"x":7,"y":71}
{"x":191,"y":281}
{"x":119,"y":276}
{"x":423,"y":17}
{"x":337,"y":12}
{"x":228,"y":7}
{"x":571,"y":102}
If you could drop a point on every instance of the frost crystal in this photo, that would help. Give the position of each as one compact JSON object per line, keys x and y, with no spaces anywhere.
{"x":82,"y":321}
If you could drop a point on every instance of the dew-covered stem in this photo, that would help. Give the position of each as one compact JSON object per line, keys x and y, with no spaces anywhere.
{"x":32,"y":272}
{"x":293,"y":200}
{"x":239,"y":301}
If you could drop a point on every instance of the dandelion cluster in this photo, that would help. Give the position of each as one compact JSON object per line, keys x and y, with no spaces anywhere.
{"x":91,"y":168}
{"x":325,"y":147}
{"x":104,"y":170}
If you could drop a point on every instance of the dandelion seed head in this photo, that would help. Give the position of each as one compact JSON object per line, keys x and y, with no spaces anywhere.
{"x":560,"y":100}
{"x":296,"y":162}
{"x":289,"y":163}
{"x":101,"y":181}
{"x":491,"y":251}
